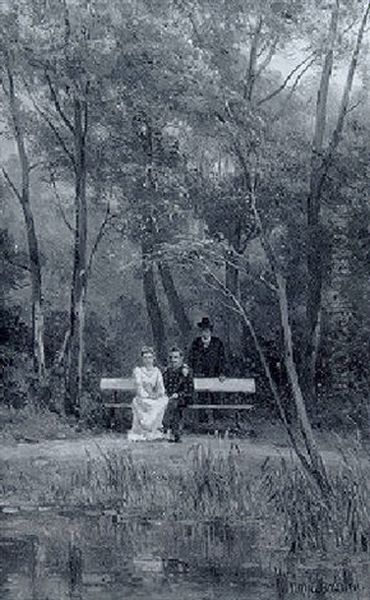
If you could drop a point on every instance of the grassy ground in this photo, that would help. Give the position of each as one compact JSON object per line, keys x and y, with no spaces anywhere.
{"x":30,"y":425}
{"x":48,"y":463}
{"x":201,"y":479}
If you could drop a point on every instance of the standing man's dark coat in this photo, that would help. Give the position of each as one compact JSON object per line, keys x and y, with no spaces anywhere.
{"x":207,"y":359}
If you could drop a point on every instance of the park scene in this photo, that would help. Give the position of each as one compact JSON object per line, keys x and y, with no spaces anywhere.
{"x":185,"y":285}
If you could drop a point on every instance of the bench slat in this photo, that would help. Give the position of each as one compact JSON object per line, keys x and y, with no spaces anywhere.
{"x":192,"y":406}
{"x":201,"y":384}
{"x":124,"y":384}
{"x":213,"y":384}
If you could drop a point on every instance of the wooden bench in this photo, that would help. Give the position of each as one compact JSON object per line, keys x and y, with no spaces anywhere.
{"x":201,"y":384}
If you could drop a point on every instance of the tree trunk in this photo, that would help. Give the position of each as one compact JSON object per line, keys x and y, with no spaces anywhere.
{"x":314,"y":461}
{"x":338,"y":310}
{"x":310,"y":460}
{"x":152,"y":304}
{"x":235,"y":331}
{"x":319,"y":168}
{"x":232,"y":279}
{"x":314,"y":242}
{"x":174,"y":300}
{"x":33,"y":249}
{"x":36,"y":287}
{"x":78,"y":288}
{"x":317,"y":465}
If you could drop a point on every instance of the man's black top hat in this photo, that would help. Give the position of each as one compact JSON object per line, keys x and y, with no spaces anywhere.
{"x":205,"y":323}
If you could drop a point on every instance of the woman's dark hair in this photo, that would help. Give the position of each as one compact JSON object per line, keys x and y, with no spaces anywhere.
{"x":176,"y":349}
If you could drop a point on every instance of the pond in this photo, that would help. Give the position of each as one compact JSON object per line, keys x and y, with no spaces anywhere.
{"x":50,"y":555}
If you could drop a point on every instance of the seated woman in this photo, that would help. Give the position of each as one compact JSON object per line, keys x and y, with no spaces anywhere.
{"x":150,"y":402}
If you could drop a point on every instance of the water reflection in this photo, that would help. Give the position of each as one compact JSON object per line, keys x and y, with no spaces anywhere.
{"x":64,"y":557}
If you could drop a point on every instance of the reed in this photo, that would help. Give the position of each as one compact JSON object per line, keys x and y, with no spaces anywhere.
{"x":211,"y":485}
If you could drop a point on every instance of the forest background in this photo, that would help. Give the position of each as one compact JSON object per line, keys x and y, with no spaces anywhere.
{"x":166,"y":160}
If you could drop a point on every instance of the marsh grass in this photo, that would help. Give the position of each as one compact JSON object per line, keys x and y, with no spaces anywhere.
{"x":206,"y":485}
{"x":310,"y":523}
{"x":211,"y":485}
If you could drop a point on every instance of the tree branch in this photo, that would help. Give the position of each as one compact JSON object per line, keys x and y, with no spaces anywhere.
{"x":53,"y":128}
{"x":60,"y":206}
{"x":251,"y":72}
{"x":18,"y":265}
{"x":12,"y":185}
{"x":348,"y":87}
{"x":57,"y":105}
{"x":98,"y":239}
{"x":280,"y":113}
{"x":288,"y":78}
{"x":58,"y":136}
{"x":266,"y":61}
{"x":343,"y":111}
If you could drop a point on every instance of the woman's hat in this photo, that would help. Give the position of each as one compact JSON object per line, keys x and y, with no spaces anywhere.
{"x":205,"y":323}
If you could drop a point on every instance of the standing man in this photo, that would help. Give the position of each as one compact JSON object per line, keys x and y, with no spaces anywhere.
{"x":178,"y":383}
{"x":207,"y":353}
{"x":207,"y":358}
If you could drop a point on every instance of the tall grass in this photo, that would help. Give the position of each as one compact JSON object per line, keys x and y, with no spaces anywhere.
{"x":206,"y":485}
{"x":309,"y":523}
{"x":209,"y":485}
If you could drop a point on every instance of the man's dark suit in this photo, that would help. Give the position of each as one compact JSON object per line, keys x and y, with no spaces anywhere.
{"x":175,"y":382}
{"x":207,"y":361}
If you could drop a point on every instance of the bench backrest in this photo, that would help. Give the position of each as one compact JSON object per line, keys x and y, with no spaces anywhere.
{"x":201,"y":384}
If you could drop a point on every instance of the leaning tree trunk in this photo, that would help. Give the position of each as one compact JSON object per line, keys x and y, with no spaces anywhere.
{"x":317,"y":465}
{"x":174,"y":300}
{"x":78,"y":289}
{"x":310,"y":457}
{"x":152,"y":303}
{"x":33,"y":249}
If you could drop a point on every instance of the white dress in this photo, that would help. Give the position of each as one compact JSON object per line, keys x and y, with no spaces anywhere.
{"x":148,"y":406}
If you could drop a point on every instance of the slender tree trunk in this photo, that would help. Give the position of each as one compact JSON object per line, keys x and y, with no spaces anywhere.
{"x":314,"y":461}
{"x":236,"y":333}
{"x":78,"y":288}
{"x":311,"y":459}
{"x":232,"y":279}
{"x":32,"y":242}
{"x":148,"y":240}
{"x":152,"y":303}
{"x":338,"y":310}
{"x":317,"y":464}
{"x":252,"y":63}
{"x":320,"y":164}
{"x":174,"y":300}
{"x":314,"y":243}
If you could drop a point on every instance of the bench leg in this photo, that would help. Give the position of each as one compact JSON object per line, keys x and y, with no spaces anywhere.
{"x":210,"y":418}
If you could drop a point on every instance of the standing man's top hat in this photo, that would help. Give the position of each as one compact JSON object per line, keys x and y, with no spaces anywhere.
{"x":205,"y":323}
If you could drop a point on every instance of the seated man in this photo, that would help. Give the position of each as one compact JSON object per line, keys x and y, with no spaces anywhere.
{"x":179,"y":387}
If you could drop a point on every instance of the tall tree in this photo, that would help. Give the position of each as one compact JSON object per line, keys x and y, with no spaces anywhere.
{"x":62,"y":59}
{"x":23,"y":194}
{"x":320,"y":164}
